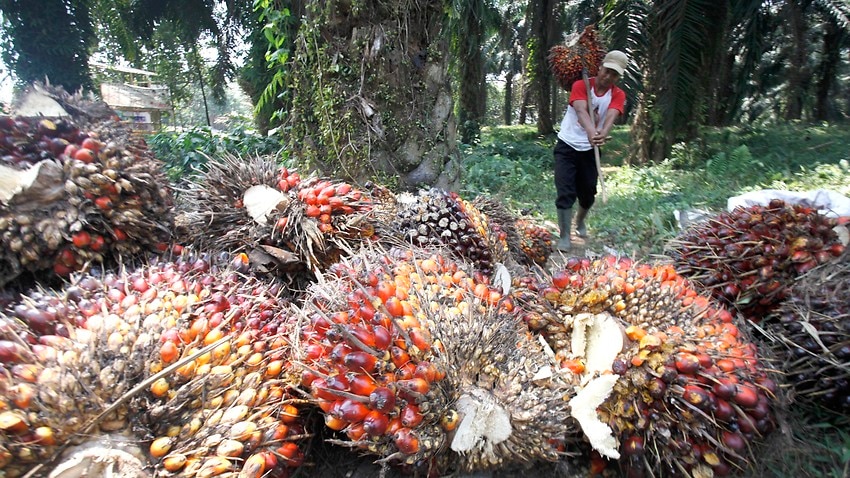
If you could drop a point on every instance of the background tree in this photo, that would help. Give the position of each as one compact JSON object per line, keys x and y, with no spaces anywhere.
{"x":48,"y":39}
{"x":370,"y":93}
{"x":544,"y":33}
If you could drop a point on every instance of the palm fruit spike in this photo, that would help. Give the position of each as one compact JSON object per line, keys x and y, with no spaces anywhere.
{"x":749,"y":257}
{"x":420,"y":364}
{"x":810,"y":331}
{"x":255,"y":205}
{"x":74,"y":194}
{"x":191,"y":354}
{"x":437,"y":218}
{"x":667,"y":383}
{"x":580,"y":51}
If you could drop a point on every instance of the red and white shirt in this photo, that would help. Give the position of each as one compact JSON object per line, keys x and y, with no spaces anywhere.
{"x":571,"y":131}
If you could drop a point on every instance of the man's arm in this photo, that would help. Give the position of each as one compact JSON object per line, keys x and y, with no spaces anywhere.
{"x":584,"y":119}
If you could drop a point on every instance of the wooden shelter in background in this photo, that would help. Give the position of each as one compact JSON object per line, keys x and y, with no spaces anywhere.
{"x":137,"y":100}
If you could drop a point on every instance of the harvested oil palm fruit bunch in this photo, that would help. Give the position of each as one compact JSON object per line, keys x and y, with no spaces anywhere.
{"x":415,"y":361}
{"x":666,"y":383}
{"x":259,"y":207}
{"x":441,"y":219}
{"x":536,"y":243}
{"x":73,"y":194}
{"x":749,"y":257}
{"x":185,"y":357}
{"x":811,"y":333}
{"x":527,"y":242}
{"x":581,"y":51}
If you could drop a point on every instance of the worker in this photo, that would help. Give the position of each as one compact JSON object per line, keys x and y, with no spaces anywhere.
{"x":575,"y":164}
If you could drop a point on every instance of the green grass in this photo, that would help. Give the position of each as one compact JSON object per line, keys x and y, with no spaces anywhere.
{"x":515,"y":163}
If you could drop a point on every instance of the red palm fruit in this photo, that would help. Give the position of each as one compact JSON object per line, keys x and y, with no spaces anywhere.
{"x":416,"y":384}
{"x":406,"y":440}
{"x":723,"y":410}
{"x":375,"y":423}
{"x":560,"y":279}
{"x":359,"y":361}
{"x":421,"y":338}
{"x":410,"y":416}
{"x":734,"y":441}
{"x":426,"y":371}
{"x":724,"y":389}
{"x":399,"y":356}
{"x":687,"y":363}
{"x":384,"y":290}
{"x":696,"y":396}
{"x":405,"y":372}
{"x":352,"y":411}
{"x":363,"y":334}
{"x":361,"y":384}
{"x":382,"y":399}
{"x":746,"y":397}
{"x":394,"y":306}
{"x":335,"y":422}
{"x":291,"y":454}
{"x":383,"y":338}
{"x":339,"y":352}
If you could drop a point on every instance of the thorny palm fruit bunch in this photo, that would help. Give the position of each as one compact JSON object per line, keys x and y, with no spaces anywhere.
{"x":417,"y":362}
{"x":441,"y":219}
{"x":184,"y":357}
{"x":811,"y":332}
{"x":75,"y":194}
{"x":536,"y":243}
{"x":666,"y":382}
{"x":257,"y":206}
{"x":583,"y":51}
{"x":749,"y":257}
{"x":527,"y":243}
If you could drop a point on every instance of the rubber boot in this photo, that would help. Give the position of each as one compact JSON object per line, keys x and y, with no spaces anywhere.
{"x":565,"y":219}
{"x":581,"y":229}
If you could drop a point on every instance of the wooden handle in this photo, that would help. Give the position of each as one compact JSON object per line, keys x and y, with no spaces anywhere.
{"x":595,"y":148}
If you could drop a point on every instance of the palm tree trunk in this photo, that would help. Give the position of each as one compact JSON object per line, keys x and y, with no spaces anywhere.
{"x":796,"y":73}
{"x":830,"y":59}
{"x":541,"y":17}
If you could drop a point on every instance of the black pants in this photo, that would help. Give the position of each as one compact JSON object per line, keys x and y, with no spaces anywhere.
{"x":575,"y":176}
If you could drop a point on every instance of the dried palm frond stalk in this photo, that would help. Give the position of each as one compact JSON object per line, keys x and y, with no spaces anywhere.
{"x":666,"y":382}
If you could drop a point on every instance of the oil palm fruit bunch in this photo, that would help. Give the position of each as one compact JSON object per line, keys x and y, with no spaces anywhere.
{"x":749,"y":257}
{"x":581,"y":51}
{"x":536,"y":243}
{"x":187,"y":357}
{"x":666,"y":383}
{"x":810,"y":331}
{"x":527,"y":242}
{"x":260,"y":207}
{"x":415,"y":361}
{"x":76,"y":193}
{"x":438,"y":218}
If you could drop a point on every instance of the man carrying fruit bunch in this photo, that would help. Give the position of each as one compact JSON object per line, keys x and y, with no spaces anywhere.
{"x":576,"y":173}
